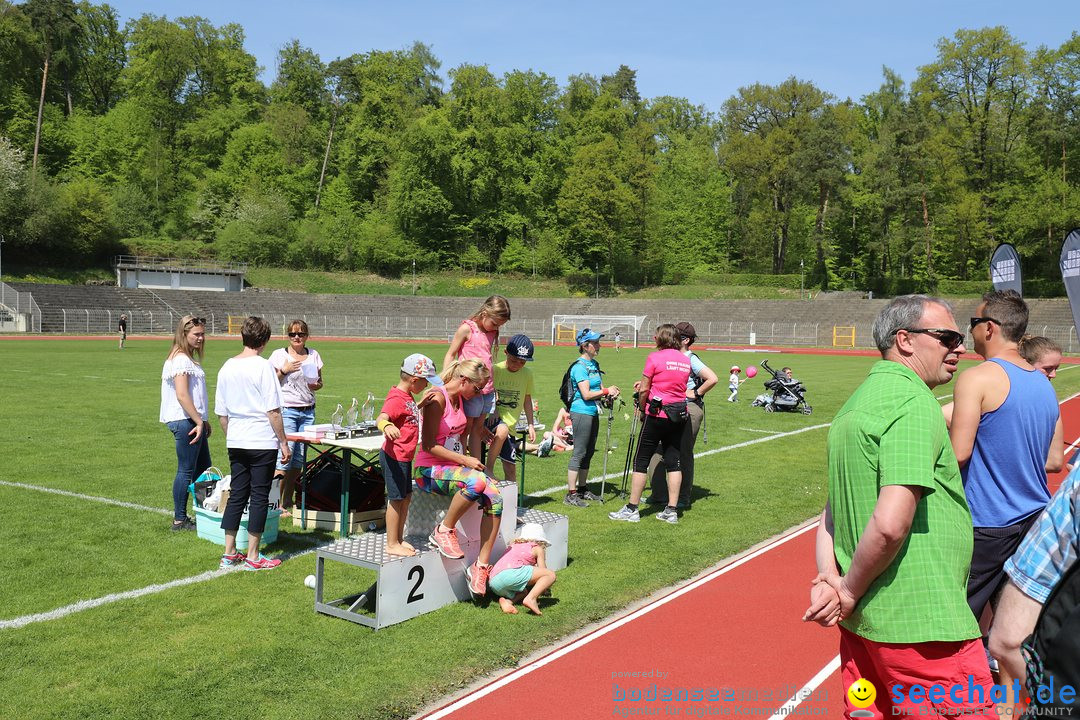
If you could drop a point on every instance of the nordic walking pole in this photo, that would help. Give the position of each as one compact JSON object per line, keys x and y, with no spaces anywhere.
{"x":705,"y":421}
{"x":607,"y":447}
{"x":630,"y":445}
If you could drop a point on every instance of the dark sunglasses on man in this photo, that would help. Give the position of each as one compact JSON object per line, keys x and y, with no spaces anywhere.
{"x":951,"y":339}
{"x":975,"y":321}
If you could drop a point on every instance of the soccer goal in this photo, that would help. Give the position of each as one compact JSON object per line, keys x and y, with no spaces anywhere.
{"x":564,"y":328}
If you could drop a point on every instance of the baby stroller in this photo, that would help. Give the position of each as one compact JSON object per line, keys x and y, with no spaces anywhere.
{"x":784,"y":394}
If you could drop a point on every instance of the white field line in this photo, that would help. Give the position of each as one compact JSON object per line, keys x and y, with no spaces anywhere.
{"x":614,"y":625}
{"x":726,"y":448}
{"x":764,"y":432}
{"x":93,"y":498}
{"x":784,"y":711}
{"x":24,"y":620}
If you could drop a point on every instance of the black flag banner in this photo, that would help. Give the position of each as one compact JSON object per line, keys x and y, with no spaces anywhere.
{"x":1005,"y":269}
{"x":1070,"y":273}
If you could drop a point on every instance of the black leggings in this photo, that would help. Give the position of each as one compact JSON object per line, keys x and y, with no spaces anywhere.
{"x":662,"y":433}
{"x":252,"y":474}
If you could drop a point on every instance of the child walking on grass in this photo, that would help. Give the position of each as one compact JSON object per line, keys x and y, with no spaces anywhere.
{"x":733,"y":383}
{"x":521,"y":575}
{"x":478,"y":339}
{"x":399,"y":422}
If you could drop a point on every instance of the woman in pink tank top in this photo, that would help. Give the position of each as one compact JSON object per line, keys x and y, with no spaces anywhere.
{"x":443,"y":468}
{"x":477,"y":338}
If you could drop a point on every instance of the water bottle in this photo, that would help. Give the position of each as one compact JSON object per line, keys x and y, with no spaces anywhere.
{"x":352,"y":414}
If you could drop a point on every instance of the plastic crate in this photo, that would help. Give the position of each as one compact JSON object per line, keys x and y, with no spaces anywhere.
{"x":208,"y":526}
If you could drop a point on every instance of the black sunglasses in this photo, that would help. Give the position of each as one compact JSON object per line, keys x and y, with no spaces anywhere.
{"x":976,"y":320}
{"x":297,"y":334}
{"x":195,"y":321}
{"x":951,"y":339}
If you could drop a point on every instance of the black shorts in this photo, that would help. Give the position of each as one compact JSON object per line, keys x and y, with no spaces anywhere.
{"x":993,"y":546}
{"x":397,"y":475}
{"x":663,"y":435}
{"x":509,"y":450}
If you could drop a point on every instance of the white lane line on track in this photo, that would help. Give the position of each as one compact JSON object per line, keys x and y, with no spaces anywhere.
{"x":24,"y":620}
{"x":613,"y":625}
{"x":726,"y":448}
{"x":80,"y":496}
{"x":784,"y":711}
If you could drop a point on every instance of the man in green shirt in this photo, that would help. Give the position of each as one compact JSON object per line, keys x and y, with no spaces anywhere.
{"x":894,"y":543}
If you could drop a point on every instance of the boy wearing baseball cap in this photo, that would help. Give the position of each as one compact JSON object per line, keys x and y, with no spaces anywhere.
{"x":513,"y":383}
{"x":399,"y":422}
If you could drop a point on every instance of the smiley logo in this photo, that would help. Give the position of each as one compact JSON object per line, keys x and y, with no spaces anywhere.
{"x":862,"y":693}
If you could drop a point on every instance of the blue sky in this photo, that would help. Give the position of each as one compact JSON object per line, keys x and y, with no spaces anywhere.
{"x":703,"y":51}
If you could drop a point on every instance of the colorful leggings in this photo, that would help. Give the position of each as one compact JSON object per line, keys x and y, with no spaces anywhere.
{"x":475,"y":485}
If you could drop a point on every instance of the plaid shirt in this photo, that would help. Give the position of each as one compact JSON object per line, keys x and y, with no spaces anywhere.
{"x":891,"y":432}
{"x":1050,"y":547}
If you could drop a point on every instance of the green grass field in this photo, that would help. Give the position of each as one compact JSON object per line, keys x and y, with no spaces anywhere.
{"x":81,"y":416}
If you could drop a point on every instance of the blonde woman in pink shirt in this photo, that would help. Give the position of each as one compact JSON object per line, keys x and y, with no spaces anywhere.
{"x":478,"y":339}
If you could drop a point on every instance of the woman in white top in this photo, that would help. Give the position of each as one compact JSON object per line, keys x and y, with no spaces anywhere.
{"x":299,"y":371}
{"x":184,"y":404}
{"x":248,"y":405}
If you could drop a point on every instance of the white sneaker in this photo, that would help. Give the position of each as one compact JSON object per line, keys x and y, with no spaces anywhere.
{"x":626,"y":514}
{"x":545,"y":446}
{"x":668,"y":515}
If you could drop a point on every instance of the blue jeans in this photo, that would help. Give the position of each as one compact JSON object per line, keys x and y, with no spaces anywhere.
{"x":293,"y":419}
{"x":191,"y":460}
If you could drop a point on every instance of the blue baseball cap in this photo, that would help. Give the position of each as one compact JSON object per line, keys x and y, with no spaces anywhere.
{"x":588,"y":335}
{"x":520,"y":347}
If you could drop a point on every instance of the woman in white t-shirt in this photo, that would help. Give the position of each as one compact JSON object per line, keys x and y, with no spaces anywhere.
{"x":299,"y":371}
{"x":184,"y":411}
{"x":248,"y":405}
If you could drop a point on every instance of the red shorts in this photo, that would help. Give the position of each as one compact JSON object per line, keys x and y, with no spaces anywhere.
{"x":947,"y":664}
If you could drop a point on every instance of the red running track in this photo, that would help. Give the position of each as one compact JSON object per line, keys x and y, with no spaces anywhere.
{"x":734,"y":636}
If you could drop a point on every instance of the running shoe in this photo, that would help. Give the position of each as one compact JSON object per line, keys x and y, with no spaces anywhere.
{"x":261,"y":563}
{"x":478,"y":579}
{"x":574,"y":499}
{"x":228,"y":561}
{"x":626,"y":514}
{"x":185,"y":524}
{"x":545,"y":446}
{"x":584,"y":493}
{"x":668,"y":515}
{"x":446,"y":542}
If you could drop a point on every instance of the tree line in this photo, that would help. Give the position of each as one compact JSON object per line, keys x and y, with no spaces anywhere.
{"x":158,"y":137}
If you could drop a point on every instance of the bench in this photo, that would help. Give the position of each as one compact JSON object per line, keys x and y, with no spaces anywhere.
{"x":406,"y":587}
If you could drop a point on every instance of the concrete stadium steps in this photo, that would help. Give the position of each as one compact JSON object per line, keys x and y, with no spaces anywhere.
{"x":79,"y":308}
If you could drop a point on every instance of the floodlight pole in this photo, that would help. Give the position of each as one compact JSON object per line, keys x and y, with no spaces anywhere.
{"x":802,"y":286}
{"x":414,"y":277}
{"x":596,"y":268}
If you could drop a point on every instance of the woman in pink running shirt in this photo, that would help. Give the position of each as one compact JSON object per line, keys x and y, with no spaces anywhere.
{"x":662,"y":400}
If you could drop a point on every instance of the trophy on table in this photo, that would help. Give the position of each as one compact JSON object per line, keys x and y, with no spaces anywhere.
{"x":367,"y":424}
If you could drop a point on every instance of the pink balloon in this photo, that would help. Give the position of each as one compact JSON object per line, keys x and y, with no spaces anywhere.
{"x":751,"y":371}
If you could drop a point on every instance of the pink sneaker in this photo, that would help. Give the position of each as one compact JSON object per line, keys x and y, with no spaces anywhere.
{"x":447,"y":543}
{"x":478,"y":579}
{"x":261,"y":563}
{"x":228,"y":561}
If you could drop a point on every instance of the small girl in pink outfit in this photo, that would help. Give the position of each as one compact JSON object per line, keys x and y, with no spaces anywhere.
{"x":477,"y":338}
{"x":521,"y":575}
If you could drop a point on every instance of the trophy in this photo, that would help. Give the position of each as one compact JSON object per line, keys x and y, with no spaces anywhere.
{"x":351,"y":415}
{"x":337,"y":417}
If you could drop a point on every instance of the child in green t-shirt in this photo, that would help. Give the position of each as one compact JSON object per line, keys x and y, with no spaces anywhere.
{"x":513,"y":383}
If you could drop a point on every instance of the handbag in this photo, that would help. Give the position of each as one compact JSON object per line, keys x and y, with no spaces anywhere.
{"x":205,"y":485}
